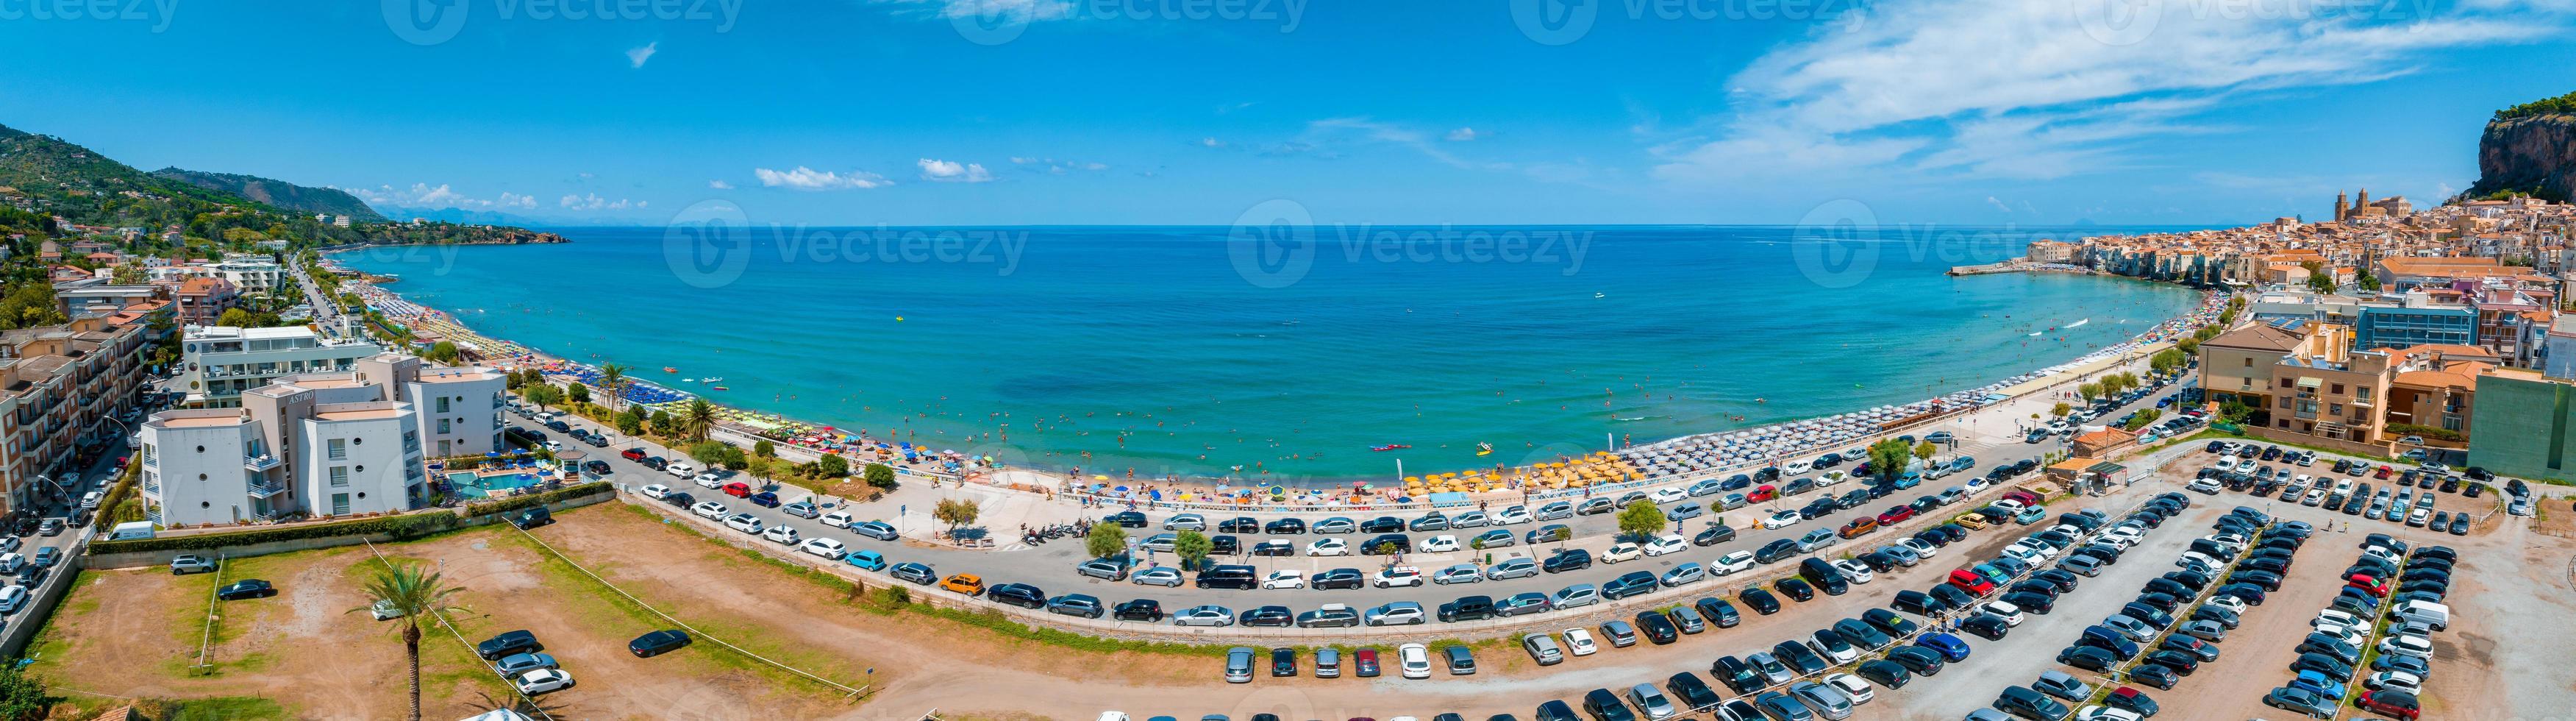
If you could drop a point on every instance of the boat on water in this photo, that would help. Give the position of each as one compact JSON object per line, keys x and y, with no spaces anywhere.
{"x":1388,"y":447}
{"x":1484,"y":449}
{"x":669,"y":369}
{"x":2079,"y":324}
{"x":721,"y":388}
{"x":709,"y":380}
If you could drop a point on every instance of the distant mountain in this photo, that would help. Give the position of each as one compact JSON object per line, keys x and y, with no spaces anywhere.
{"x":2529,"y":149}
{"x":279,"y":193}
{"x":459,"y":216}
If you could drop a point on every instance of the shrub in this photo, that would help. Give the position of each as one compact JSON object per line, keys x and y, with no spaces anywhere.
{"x":398,"y":527}
{"x":536,"y":499}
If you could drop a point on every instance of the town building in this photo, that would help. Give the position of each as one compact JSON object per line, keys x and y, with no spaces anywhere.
{"x":220,"y":362}
{"x":2541,"y":410}
{"x":202,"y":301}
{"x":62,"y":388}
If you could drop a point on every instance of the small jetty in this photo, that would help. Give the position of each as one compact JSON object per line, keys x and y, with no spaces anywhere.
{"x":2017,"y":265}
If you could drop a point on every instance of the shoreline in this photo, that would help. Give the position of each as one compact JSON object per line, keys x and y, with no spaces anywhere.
{"x":1634,"y":462}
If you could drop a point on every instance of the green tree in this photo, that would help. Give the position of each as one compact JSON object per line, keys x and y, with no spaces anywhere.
{"x":542,"y":394}
{"x":2321,"y":282}
{"x":2366,"y":280}
{"x":957,"y":512}
{"x":880,"y":476}
{"x":577,"y":392}
{"x":833,"y":466}
{"x":1193,"y":547}
{"x":612,"y":378}
{"x":23,"y":696}
{"x":765,"y":449}
{"x":1889,"y":457}
{"x":2144,"y":418}
{"x":1641,"y":518}
{"x":2060,"y":410}
{"x":630,"y":421}
{"x":238,"y":318}
{"x":443,"y":352}
{"x":2089,"y":390}
{"x":664,"y":423}
{"x":402,"y":587}
{"x":1926,"y":450}
{"x":1106,"y":539}
{"x":698,"y":419}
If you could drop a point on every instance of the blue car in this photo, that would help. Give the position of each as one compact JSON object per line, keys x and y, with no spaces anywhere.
{"x":1909,"y":480}
{"x":869,"y":560}
{"x":2317,"y":682}
{"x":1950,"y":647}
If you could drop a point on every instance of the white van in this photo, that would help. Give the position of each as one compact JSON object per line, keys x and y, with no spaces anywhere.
{"x":2428,"y":613}
{"x":130,"y":530}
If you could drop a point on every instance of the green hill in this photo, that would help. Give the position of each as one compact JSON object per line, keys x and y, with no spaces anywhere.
{"x":278,"y":193}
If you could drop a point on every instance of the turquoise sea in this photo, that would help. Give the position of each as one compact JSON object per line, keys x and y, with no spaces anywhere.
{"x":1185,"y":350}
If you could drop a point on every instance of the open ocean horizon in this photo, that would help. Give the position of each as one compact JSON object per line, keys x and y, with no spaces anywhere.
{"x":1194,"y":350}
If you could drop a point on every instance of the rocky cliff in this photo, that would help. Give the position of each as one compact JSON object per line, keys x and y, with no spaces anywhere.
{"x":2533,"y":154}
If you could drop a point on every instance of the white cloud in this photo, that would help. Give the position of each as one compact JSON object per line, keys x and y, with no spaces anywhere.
{"x":950,"y":172}
{"x":1999,"y":205}
{"x":719,"y":185}
{"x":1013,"y":10}
{"x":423,"y":195}
{"x":2019,"y":89}
{"x":804,"y":178}
{"x":1211,"y":143}
{"x":1053,"y":166}
{"x":637,"y":56}
{"x":1461,"y":134}
{"x":592,"y":201}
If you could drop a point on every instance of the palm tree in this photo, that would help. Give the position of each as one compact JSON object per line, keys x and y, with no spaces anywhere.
{"x":402,"y":588}
{"x":613,"y":377}
{"x":699,"y":418}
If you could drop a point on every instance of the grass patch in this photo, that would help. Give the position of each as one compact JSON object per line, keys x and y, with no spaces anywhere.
{"x":219,"y":708}
{"x":78,"y":602}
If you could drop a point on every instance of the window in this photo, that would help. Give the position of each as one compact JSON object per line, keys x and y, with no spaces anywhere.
{"x":339,"y":504}
{"x":2338,"y":389}
{"x":339,"y":476}
{"x":338,"y":449}
{"x":2249,"y":362}
{"x":443,"y":427}
{"x":2361,"y":393}
{"x":442,"y":406}
{"x":2334,"y":408}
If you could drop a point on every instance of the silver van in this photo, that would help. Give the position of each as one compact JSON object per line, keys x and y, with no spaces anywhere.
{"x":1543,"y":649}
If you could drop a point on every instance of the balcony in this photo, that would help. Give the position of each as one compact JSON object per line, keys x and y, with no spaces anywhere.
{"x":153,"y":515}
{"x":262,"y":487}
{"x":259,"y":463}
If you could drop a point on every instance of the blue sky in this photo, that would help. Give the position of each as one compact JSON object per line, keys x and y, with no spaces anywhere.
{"x":911,"y":112}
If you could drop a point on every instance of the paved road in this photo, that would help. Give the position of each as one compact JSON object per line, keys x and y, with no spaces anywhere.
{"x":1051,"y":566}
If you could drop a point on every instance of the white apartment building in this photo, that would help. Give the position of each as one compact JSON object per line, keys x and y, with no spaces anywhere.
{"x":460,"y":408}
{"x":252,"y":273}
{"x":317,"y":444}
{"x":220,"y":362}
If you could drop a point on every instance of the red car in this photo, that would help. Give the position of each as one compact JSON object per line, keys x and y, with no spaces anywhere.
{"x":2383,"y":473}
{"x":1763,"y":493}
{"x":738,"y":490}
{"x":2026,"y":498}
{"x":1970,"y":581}
{"x":2366,"y":582}
{"x":2390,"y":702}
{"x":634,"y":454}
{"x":1894,"y":515}
{"x":1364,"y":662}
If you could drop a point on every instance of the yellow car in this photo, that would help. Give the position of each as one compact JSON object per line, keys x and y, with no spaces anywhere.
{"x":1971,"y":521}
{"x":966,"y":583}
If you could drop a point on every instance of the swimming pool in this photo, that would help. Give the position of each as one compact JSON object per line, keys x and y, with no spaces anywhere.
{"x":477,"y":485}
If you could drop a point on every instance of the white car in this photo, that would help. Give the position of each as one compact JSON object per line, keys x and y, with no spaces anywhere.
{"x":1921,"y":548}
{"x":543,"y":681}
{"x":1512,"y":515}
{"x":1731,"y":563}
{"x":1394,"y":576}
{"x":1621,"y":552}
{"x":2399,"y":680}
{"x":1667,"y":544}
{"x":744,"y":522}
{"x":708,"y":481}
{"x":824,"y":547}
{"x":2331,"y":617}
{"x":2233,"y":604}
{"x":1580,"y":642}
{"x":783,"y":534}
{"x":1852,"y":687}
{"x":2353,"y":636}
{"x":1855,"y":571}
{"x":654,"y":491}
{"x":1285,"y":578}
{"x":1783,"y":519}
{"x":2224,"y":465}
{"x":1438,"y":544}
{"x":2196,"y":559}
{"x":2404,"y":645}
{"x":1797,"y":467}
{"x":1668,"y":495}
{"x":1831,"y":477}
{"x":709,"y":510}
{"x":1414,"y":659}
{"x":2106,"y":713}
{"x":2030,"y":547}
{"x":680,"y":470}
{"x":836,"y":519}
{"x":1328,"y":547}
{"x":2011,"y":614}
{"x":2204,"y":485}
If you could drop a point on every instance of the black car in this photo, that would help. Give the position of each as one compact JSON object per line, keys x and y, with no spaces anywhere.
{"x":1986,"y":626}
{"x":1796,"y":588}
{"x":1713,"y":536}
{"x":1142,"y":609}
{"x":1879,"y":561}
{"x":2033,"y":602}
{"x":1283,"y":661}
{"x":1761,"y":601}
{"x":1922,"y":661}
{"x":2089,"y":658}
{"x":679,"y":499}
{"x":1737,"y":674}
{"x":1801,"y":659}
{"x":1658,"y":627}
{"x":245,"y":588}
{"x":1126,"y":519}
{"x":1018,"y":594}
{"x":1691,"y":692}
{"x":657,"y":643}
{"x":1719,"y":612}
{"x":492,"y":649}
{"x":1887,"y":674}
{"x":1635,"y":583}
{"x":2064,"y":580}
{"x":1338,"y":578}
{"x":1382,"y":524}
{"x":2154,"y":675}
{"x":1248,"y":524}
{"x":1386,"y":544}
{"x":1952,"y":595}
{"x":1467,"y":608}
{"x":1571,"y":559}
{"x":1268,"y":617}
